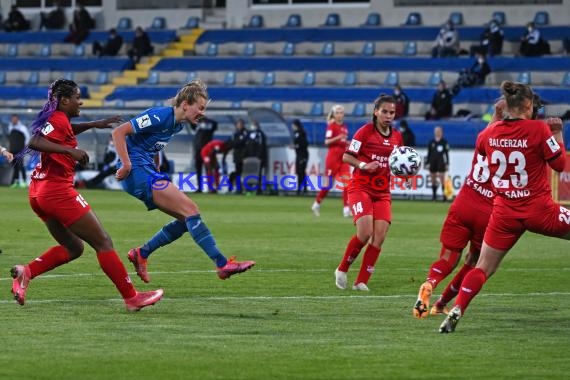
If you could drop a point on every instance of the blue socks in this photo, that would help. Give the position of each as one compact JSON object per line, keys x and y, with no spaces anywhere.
{"x":203,"y":237}
{"x":166,"y":235}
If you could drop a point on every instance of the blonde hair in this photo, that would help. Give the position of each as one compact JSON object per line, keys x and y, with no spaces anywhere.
{"x":190,"y":93}
{"x":335,"y":108}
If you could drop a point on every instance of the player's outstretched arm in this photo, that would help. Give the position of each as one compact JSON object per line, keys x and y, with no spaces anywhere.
{"x":100,"y":124}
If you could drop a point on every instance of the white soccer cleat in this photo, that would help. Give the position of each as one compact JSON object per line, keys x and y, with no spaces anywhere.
{"x":361,"y":286}
{"x":340,"y":279}
{"x":346,"y":212}
{"x":316,"y":208}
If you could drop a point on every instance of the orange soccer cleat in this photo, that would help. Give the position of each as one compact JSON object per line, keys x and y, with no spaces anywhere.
{"x":421,"y":307}
{"x":143,"y":299}
{"x":139,"y":263}
{"x":234,"y":267}
{"x":21,"y":276}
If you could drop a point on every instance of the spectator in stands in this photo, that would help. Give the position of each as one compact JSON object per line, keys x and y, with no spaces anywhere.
{"x":204,"y":132}
{"x":491,"y":42}
{"x":441,"y":103}
{"x":301,"y":154}
{"x":141,"y":46}
{"x":18,"y":137}
{"x":54,"y":19}
{"x":407,"y":133}
{"x":80,"y":26}
{"x":446,"y":43}
{"x":402,"y":102}
{"x":111,"y":47}
{"x":437,"y":161}
{"x":16,"y":22}
{"x":238,"y":145}
{"x":532,"y":44}
{"x":476,"y":74}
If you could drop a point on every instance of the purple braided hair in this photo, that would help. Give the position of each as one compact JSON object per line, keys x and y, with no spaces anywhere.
{"x":58,"y":89}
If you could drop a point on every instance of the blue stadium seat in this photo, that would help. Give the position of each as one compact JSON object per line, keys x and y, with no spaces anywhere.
{"x":373,"y":19}
{"x":268,"y":78}
{"x":212,"y":49}
{"x":69,"y":75}
{"x":102,"y":78}
{"x":79,"y":50}
{"x":317,"y":109}
{"x":12,"y":50}
{"x":309,"y":78}
{"x":256,"y":21}
{"x":368,"y":49}
{"x":541,"y":18}
{"x":235,"y":104}
{"x":119,"y":103}
{"x":350,"y":78}
{"x":289,"y":48}
{"x":158,"y":23}
{"x":413,"y":19}
{"x":359,"y":109}
{"x":158,"y":103}
{"x":434,"y":78}
{"x":456,"y":18}
{"x":277,"y":107}
{"x":193,"y":22}
{"x":333,"y":19}
{"x":410,"y":48}
{"x":191,"y":76}
{"x":328,"y":49}
{"x":33,"y":79}
{"x":500,"y":17}
{"x":566,"y":80}
{"x":23,"y":103}
{"x":294,"y":21}
{"x":230,"y":78}
{"x":125,"y":23}
{"x":523,"y":77}
{"x":45,"y":50}
{"x":2,"y":77}
{"x":392,"y":79}
{"x":153,"y":78}
{"x":249,"y":49}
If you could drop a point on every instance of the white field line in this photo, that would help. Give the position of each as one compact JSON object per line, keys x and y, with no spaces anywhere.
{"x":307,"y":270}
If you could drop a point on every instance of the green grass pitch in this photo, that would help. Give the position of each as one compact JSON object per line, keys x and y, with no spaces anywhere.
{"x":284,"y":319}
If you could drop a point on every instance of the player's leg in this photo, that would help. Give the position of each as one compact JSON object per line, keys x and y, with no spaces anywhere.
{"x":325,"y":184}
{"x":433,"y":179}
{"x":343,"y":179}
{"x":362,"y":211}
{"x":441,"y":178}
{"x":177,"y":204}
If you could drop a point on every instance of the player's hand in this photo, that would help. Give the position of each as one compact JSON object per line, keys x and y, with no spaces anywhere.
{"x":500,"y":108}
{"x":555,"y":124}
{"x":371,"y":166}
{"x":9,"y":156}
{"x":123,"y":172}
{"x":110,"y":122}
{"x":80,"y":156}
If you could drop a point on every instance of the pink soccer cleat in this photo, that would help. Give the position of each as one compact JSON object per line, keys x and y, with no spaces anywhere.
{"x":143,"y":299}
{"x":21,"y":276}
{"x":233,"y":267}
{"x":139,"y":263}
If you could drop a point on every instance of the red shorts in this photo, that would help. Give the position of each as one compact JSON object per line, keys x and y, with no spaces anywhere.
{"x":66,"y":208}
{"x":503,"y":231}
{"x":465,"y":223}
{"x":361,"y":202}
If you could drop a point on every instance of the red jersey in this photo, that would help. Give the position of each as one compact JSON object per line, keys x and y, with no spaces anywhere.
{"x":519,"y":152}
{"x":477,"y":188}
{"x":337,"y":148}
{"x":55,"y":171}
{"x":211,"y":147}
{"x":368,"y":145}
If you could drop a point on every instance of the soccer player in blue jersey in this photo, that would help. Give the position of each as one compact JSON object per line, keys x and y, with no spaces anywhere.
{"x":137,"y":142}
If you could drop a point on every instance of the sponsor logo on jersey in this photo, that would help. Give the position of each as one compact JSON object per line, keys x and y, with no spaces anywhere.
{"x":143,"y":121}
{"x":47,"y":129}
{"x":355,"y":146}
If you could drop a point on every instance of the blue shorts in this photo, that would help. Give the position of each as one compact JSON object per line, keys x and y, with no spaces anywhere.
{"x":140,"y":183}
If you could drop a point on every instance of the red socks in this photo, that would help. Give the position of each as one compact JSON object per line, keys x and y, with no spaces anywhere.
{"x":471,"y":285}
{"x":350,"y":254}
{"x":368,"y":261}
{"x":322,"y":195}
{"x":452,"y":288}
{"x":115,"y":270}
{"x":52,"y":258}
{"x":438,"y":271}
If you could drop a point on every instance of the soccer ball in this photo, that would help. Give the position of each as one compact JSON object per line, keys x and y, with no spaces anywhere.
{"x":404,"y":160}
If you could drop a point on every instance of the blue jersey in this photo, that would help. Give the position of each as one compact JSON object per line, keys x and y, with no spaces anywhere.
{"x":153,"y":130}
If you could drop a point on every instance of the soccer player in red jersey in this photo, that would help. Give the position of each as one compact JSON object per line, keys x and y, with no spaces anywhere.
{"x":66,"y":214}
{"x":336,"y":139}
{"x":208,"y":154}
{"x":519,"y":152}
{"x":369,"y":190}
